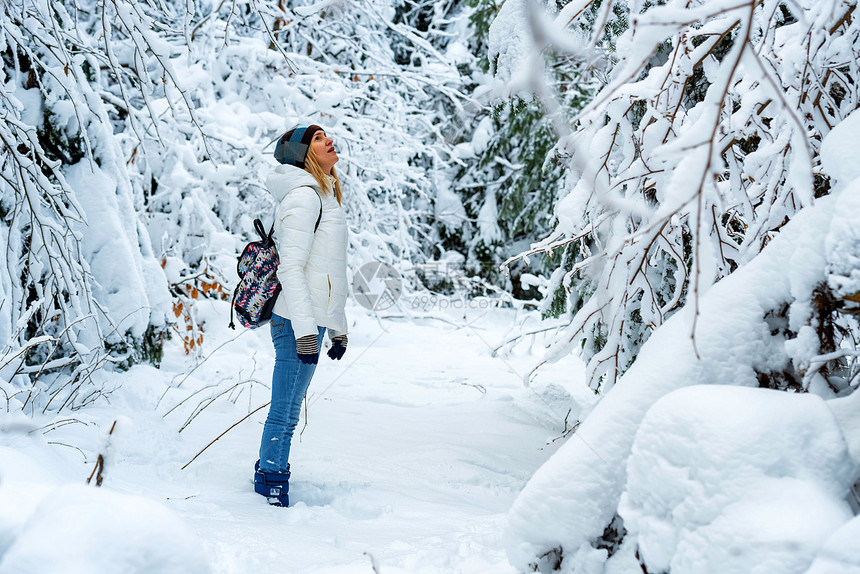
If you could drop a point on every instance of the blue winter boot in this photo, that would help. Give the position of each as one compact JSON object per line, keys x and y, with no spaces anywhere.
{"x":275,"y":486}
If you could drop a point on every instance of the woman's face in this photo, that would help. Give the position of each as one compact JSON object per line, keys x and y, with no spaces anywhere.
{"x":322,"y":147}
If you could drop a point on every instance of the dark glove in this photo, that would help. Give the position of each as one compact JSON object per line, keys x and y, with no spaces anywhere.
{"x":307,"y":349}
{"x":338,"y":347}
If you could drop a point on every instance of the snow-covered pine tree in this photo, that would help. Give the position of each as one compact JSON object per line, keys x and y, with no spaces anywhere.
{"x":508,"y":175}
{"x":700,"y":147}
{"x":718,"y":185}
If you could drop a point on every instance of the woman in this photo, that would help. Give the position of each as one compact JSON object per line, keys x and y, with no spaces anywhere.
{"x":310,"y":234}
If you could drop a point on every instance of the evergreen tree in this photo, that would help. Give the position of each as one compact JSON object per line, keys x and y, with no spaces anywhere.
{"x":691,"y":157}
{"x":510,"y":173}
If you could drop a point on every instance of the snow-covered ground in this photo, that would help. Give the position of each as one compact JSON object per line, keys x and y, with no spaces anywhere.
{"x":416,"y":445}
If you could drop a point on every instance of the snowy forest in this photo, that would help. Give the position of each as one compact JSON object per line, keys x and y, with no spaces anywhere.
{"x":628,"y":237}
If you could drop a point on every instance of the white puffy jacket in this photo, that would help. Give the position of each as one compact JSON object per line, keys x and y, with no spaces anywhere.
{"x":312,"y":271}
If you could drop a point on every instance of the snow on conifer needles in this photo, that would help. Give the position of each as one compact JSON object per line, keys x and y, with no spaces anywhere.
{"x":717,"y":196}
{"x":700,"y":147}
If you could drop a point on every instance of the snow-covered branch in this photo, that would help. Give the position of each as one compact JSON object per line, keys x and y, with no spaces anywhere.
{"x":700,"y":147}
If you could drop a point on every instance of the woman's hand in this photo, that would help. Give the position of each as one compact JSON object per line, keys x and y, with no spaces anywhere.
{"x":307,"y":349}
{"x":338,"y":347}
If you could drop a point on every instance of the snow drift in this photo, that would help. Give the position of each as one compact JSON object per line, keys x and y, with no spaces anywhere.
{"x":740,"y":335}
{"x":725,"y":479}
{"x":79,"y":529}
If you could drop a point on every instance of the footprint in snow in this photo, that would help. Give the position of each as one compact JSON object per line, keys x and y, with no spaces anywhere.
{"x":348,"y":499}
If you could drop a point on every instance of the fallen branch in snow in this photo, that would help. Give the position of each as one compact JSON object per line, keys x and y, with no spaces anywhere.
{"x":373,"y":563}
{"x":567,"y":431}
{"x":520,"y":336}
{"x":197,"y":366}
{"x":234,"y":425}
{"x":58,"y":443}
{"x":201,"y":406}
{"x":57,"y":424}
{"x":224,"y":387}
{"x":481,"y":388}
{"x":100,"y":462}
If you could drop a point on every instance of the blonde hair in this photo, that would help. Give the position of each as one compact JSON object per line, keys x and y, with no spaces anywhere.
{"x":313,"y":167}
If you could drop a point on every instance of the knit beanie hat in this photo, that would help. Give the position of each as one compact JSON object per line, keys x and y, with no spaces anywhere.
{"x":292,"y":147}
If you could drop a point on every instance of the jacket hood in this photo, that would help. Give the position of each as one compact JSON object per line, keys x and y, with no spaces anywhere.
{"x":286,"y":178}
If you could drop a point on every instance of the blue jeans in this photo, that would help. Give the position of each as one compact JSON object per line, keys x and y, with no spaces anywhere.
{"x":290,"y":382}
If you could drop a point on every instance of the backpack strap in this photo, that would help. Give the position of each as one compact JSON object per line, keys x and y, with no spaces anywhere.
{"x":258,"y":225}
{"x":266,"y":239}
{"x":319,"y":218}
{"x":232,"y":325}
{"x":262,"y":232}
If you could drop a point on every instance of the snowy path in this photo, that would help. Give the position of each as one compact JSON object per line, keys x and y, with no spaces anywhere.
{"x":416,"y":446}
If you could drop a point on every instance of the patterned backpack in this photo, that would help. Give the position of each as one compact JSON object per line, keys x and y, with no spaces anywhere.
{"x":258,"y":287}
